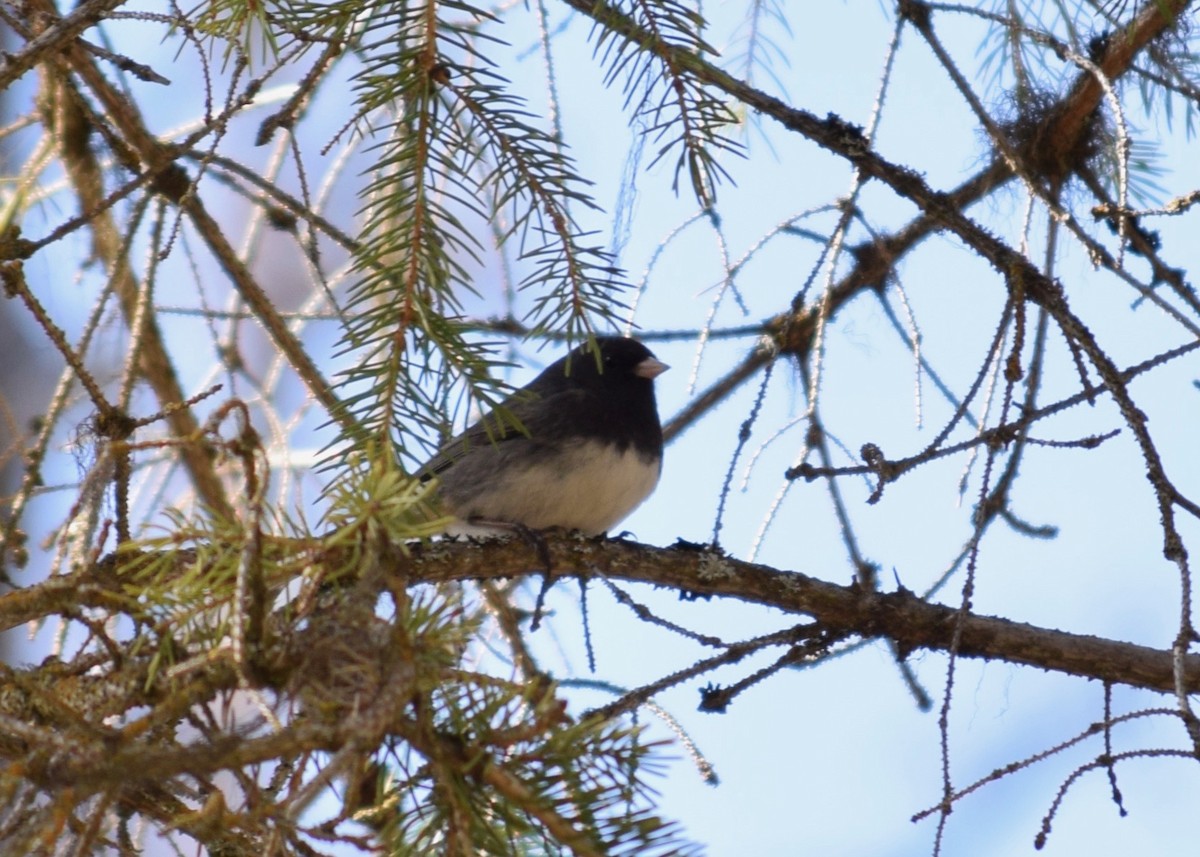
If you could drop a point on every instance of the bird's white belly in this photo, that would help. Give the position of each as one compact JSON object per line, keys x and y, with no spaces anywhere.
{"x":602,"y":486}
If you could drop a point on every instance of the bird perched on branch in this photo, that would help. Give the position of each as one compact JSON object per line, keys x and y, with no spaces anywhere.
{"x":579,"y":447}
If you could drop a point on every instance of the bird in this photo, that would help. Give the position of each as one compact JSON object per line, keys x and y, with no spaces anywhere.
{"x":586,"y":449}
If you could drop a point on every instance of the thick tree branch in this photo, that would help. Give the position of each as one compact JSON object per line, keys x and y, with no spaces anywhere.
{"x":898,"y":616}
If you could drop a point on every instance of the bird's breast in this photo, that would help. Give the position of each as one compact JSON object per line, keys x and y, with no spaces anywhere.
{"x":586,"y":485}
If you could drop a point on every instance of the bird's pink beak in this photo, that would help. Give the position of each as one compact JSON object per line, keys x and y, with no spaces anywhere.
{"x":650,"y":368}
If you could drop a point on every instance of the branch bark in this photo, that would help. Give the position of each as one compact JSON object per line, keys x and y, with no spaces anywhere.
{"x":899,"y":616}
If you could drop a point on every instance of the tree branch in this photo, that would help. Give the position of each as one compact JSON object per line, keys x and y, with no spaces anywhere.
{"x":898,"y":616}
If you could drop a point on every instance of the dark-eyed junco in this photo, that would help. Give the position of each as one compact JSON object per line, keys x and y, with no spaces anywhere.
{"x":590,"y":452}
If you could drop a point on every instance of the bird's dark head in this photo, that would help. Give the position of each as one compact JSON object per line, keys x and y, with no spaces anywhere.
{"x":614,"y":361}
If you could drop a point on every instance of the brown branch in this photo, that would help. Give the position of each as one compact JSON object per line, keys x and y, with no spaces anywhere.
{"x":901,"y":616}
{"x":51,"y":39}
{"x":1084,"y":97}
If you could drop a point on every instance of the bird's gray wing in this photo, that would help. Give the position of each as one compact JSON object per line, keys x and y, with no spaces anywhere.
{"x":515,"y":420}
